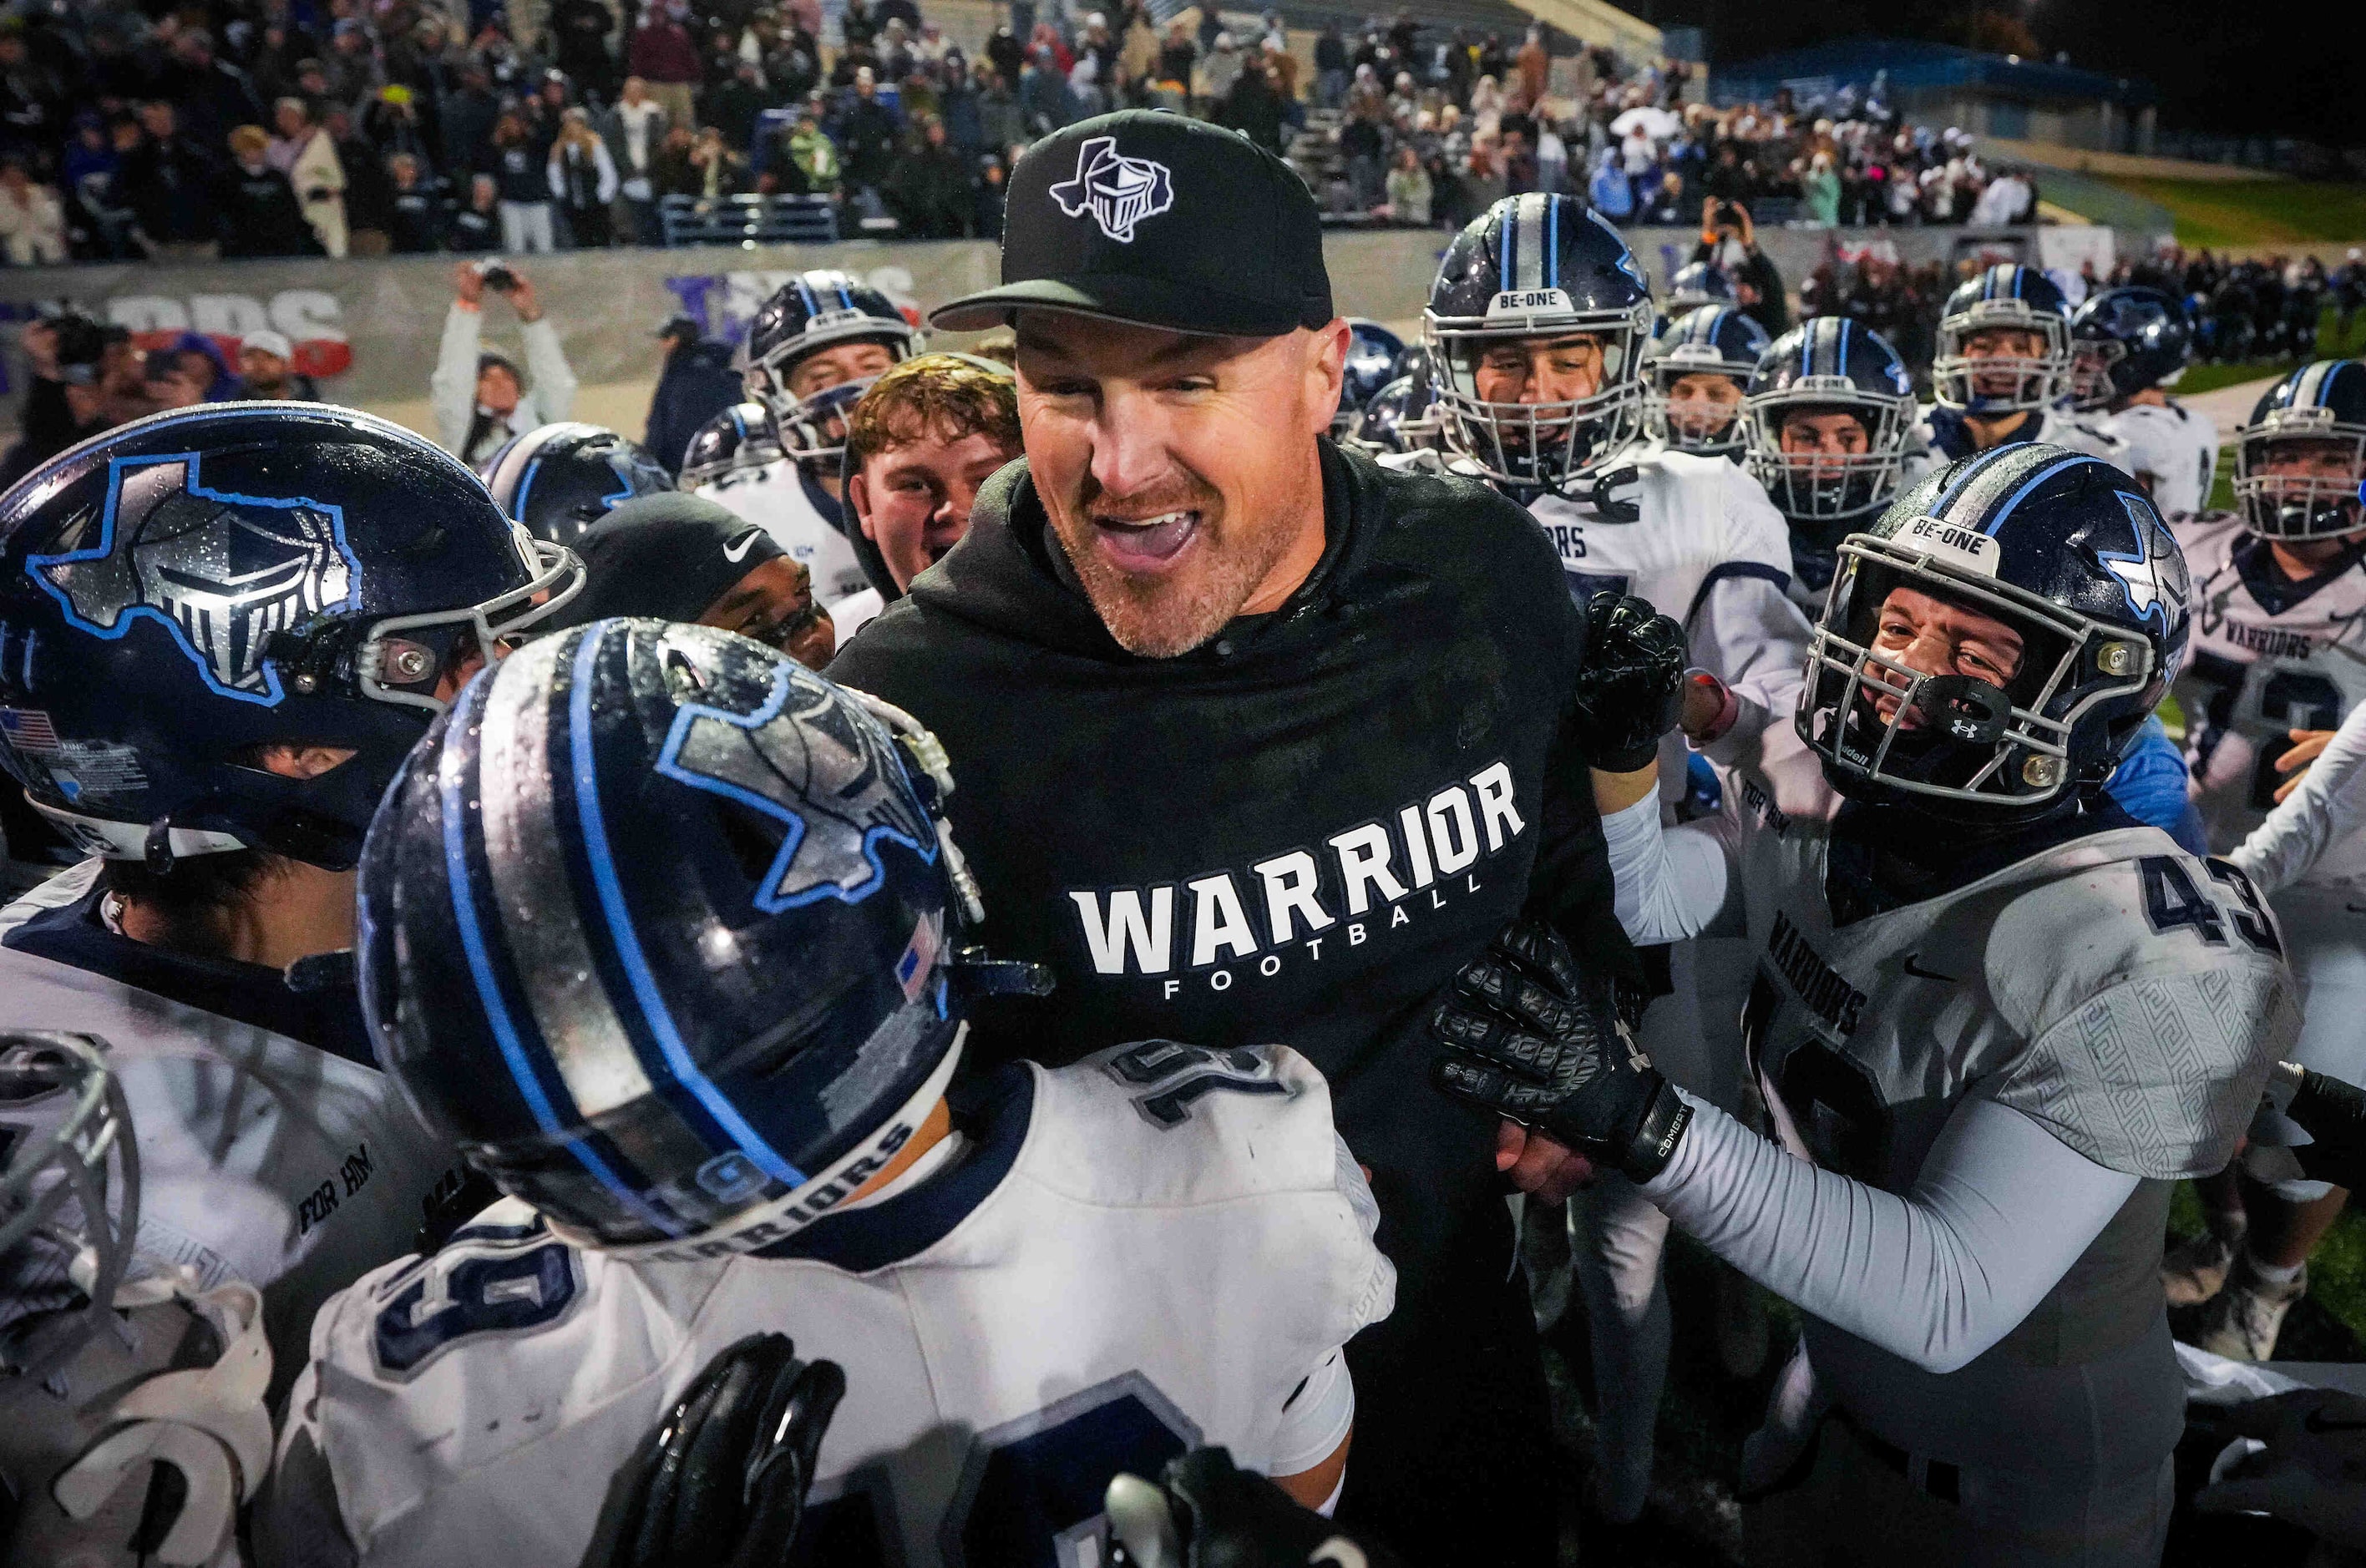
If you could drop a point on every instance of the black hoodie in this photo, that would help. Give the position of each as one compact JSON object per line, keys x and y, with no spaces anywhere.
{"x":1213,"y":848}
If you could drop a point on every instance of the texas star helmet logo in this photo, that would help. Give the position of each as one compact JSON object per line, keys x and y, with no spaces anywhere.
{"x":222,"y":572}
{"x":1119,"y":191}
{"x":2153,"y":577}
{"x":804,"y":759}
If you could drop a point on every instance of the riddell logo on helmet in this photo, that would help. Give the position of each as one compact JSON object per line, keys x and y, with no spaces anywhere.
{"x":1119,"y":191}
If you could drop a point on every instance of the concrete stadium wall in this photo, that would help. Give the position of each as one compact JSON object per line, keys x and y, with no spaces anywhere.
{"x":369,"y":328}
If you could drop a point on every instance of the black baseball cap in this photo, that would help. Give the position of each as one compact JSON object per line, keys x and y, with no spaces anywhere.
{"x":1149,"y":217}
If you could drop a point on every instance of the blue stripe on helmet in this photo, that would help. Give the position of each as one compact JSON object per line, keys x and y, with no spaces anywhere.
{"x":627,"y":942}
{"x":1552,"y":241}
{"x":1508,"y":246}
{"x":1840,"y":354}
{"x":1971,"y":471}
{"x":489,"y":992}
{"x":2032,"y":483}
{"x":806,"y":293}
{"x":517,"y":502}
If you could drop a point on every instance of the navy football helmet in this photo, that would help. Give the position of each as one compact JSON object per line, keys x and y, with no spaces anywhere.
{"x":739,"y":437}
{"x":1529,"y":272}
{"x":2123,"y":340}
{"x":183,"y":591}
{"x":2003,"y":299}
{"x":2319,"y":407}
{"x":696,"y":903}
{"x":560,"y":479}
{"x":1401,"y":417}
{"x":2067,"y":553}
{"x":1375,"y":357}
{"x":812,"y":311}
{"x":1825,"y":484}
{"x":1695,"y":284}
{"x":1715,"y":340}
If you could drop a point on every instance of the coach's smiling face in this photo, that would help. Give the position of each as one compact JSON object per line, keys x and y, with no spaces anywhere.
{"x":1179,"y":471}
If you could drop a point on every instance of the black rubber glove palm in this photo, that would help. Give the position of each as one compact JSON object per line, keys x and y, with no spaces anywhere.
{"x":1630,"y":684}
{"x":721,"y":1482}
{"x":1206,"y":1512}
{"x":1529,"y":1037}
{"x":2333,"y":1113}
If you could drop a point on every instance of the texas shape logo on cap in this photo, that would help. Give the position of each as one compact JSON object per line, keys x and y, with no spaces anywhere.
{"x":1119,"y":191}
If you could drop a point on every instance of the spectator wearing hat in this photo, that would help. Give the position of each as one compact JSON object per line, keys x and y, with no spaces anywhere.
{"x":696,"y":383}
{"x":32,"y":220}
{"x":266,"y":367}
{"x":306,"y":152}
{"x":480,"y":399}
{"x":261,"y":216}
{"x":677,"y":557}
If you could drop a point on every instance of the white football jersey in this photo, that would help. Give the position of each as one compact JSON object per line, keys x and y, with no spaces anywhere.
{"x":2268,"y":656}
{"x":1706,"y":547}
{"x":777,"y":497}
{"x":2171,"y":449}
{"x":261,"y":1158}
{"x":2126,"y":996}
{"x":1151,"y":1250}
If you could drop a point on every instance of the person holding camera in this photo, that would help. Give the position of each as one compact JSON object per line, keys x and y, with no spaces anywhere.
{"x":480,"y":398}
{"x":1731,"y":240}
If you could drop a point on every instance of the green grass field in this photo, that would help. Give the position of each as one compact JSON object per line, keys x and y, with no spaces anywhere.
{"x":2257,"y":212}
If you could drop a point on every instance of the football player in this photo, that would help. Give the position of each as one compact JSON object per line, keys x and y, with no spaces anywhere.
{"x":2002,"y":367}
{"x":1376,"y":356}
{"x":220,"y":630}
{"x":918,"y":446}
{"x":2280,"y":658}
{"x":1535,"y":330}
{"x":110,"y":1364}
{"x":740,"y":438}
{"x":1827,"y":420}
{"x":1994,"y":1022}
{"x":560,"y":479}
{"x":2128,"y":347}
{"x":1698,"y":368}
{"x":814,"y":346}
{"x":1401,"y":416}
{"x":1694,"y":286}
{"x":664,"y":930}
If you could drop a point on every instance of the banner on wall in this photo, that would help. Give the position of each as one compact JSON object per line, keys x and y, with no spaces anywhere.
{"x":368,"y":328}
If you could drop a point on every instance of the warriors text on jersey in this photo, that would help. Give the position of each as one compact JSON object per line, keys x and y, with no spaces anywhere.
{"x":2271,"y":656}
{"x":1159,"y":1246}
{"x":800,"y":518}
{"x":2124,"y":995}
{"x":262,"y":1159}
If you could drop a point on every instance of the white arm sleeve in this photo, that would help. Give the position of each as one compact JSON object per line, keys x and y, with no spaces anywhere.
{"x":554,"y":378}
{"x":2001,"y":1210}
{"x":1750,"y":636}
{"x":2329,"y":807}
{"x":453,"y":387}
{"x":1669,"y":883}
{"x":1317,"y":1418}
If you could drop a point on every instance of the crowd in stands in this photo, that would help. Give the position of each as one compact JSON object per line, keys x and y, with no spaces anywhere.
{"x":264,"y":128}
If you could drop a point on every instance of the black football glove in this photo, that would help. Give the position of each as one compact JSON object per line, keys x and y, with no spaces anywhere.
{"x":1533,"y":1040}
{"x":2333,"y":1113}
{"x":1206,"y":1513}
{"x":722,"y":1479}
{"x":1631,"y":682}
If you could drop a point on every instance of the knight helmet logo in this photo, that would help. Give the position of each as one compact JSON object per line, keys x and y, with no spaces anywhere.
{"x":807,"y":760}
{"x":222,"y":572}
{"x":1119,"y":191}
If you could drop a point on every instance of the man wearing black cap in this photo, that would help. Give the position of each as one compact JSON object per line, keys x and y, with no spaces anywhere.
{"x":1257,"y":742}
{"x":677,"y":557}
{"x":696,"y":383}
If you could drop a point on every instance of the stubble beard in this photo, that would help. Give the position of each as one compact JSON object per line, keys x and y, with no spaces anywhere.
{"x":1167,"y":615}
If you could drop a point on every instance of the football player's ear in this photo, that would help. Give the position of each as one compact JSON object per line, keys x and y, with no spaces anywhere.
{"x":1326,"y":372}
